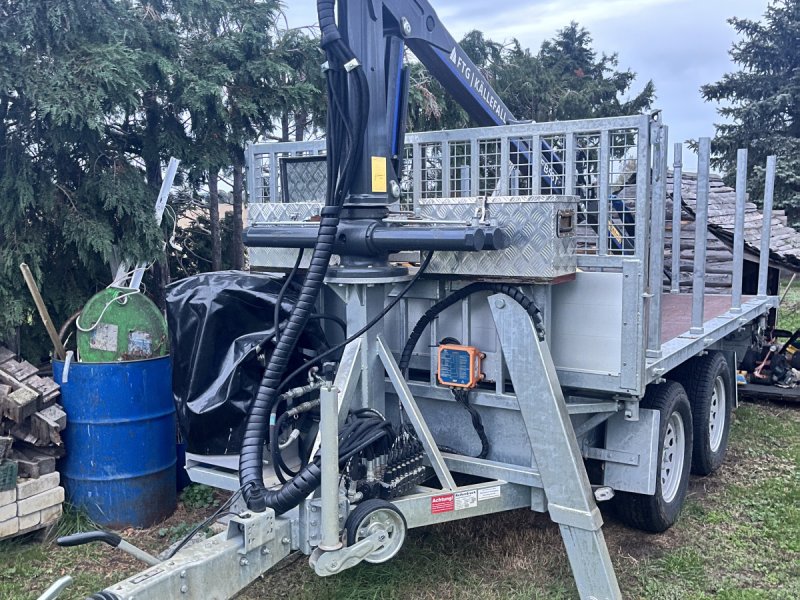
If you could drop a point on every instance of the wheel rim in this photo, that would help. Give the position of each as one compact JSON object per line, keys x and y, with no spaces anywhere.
{"x":717,"y":414}
{"x":672,"y":457}
{"x":391,"y":525}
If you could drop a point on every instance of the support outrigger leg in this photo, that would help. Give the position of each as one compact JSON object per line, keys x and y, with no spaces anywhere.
{"x":556,"y":454}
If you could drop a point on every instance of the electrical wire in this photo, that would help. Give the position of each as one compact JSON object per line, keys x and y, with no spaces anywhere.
{"x":276,"y":315}
{"x":310,"y":363}
{"x":217,"y":513}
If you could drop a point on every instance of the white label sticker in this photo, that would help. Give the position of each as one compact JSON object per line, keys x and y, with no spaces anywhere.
{"x":104,"y":337}
{"x":468,"y":499}
{"x":488,"y":493}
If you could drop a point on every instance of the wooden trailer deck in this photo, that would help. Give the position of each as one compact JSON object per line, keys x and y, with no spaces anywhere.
{"x":679,"y":342}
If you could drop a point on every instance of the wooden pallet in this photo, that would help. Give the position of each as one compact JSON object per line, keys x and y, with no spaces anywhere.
{"x":771,"y":393}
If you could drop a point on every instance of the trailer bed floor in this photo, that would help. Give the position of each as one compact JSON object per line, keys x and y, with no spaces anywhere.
{"x":678,"y":343}
{"x":676,"y":312}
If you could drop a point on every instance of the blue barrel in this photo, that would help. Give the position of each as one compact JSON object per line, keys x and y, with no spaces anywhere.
{"x":120,"y":440}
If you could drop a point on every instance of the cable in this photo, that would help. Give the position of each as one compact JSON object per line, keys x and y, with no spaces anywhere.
{"x":348,"y":103}
{"x":217,"y":513}
{"x":462,"y":397}
{"x":276,"y":314}
{"x":481,"y":286}
{"x":363,"y":330}
{"x":103,"y":312}
{"x":333,"y":318}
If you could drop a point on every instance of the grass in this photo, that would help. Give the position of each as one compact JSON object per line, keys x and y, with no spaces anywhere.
{"x":789,"y":312}
{"x":738,"y":539}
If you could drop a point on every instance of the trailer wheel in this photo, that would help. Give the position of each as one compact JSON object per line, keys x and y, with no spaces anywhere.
{"x":708,"y":384}
{"x":660,"y":511}
{"x":377,"y":516}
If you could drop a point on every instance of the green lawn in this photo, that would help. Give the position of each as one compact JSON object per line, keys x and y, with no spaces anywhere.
{"x":739,"y":539}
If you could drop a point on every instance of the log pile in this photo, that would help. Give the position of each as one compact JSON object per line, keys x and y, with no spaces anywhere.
{"x":31,"y":422}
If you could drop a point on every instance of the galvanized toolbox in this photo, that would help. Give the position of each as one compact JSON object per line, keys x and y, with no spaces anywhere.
{"x":541,"y":230}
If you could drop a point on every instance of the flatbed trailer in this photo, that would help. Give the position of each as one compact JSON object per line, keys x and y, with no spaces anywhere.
{"x":534,"y":359}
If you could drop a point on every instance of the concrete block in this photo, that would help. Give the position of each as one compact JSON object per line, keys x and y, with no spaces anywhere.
{"x":40,"y":501}
{"x":9,"y":527}
{"x":31,"y":520}
{"x":9,"y":511}
{"x":30,"y":487}
{"x":52,"y":514}
{"x":8,"y":497}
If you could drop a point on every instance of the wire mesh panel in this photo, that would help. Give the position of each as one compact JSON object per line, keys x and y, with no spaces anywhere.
{"x":522,"y":153}
{"x":587,"y":185}
{"x":260,"y":173}
{"x":489,"y":178}
{"x":602,"y":161}
{"x":431,"y":155}
{"x":407,"y":179}
{"x":460,"y":169}
{"x":622,"y":174}
{"x":552,"y":164}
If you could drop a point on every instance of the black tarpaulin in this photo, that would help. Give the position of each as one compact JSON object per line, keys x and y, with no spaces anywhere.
{"x":215,"y":322}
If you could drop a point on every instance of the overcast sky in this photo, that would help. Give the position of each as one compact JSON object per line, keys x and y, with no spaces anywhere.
{"x":679,"y":44}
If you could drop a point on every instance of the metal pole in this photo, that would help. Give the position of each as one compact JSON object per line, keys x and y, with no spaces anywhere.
{"x":738,"y":230}
{"x":329,"y":447}
{"x":763,"y":257}
{"x":657,"y":226}
{"x":677,"y":199}
{"x":700,"y":236}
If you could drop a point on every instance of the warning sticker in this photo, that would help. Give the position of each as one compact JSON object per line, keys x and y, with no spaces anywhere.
{"x":489,"y":493}
{"x":442,"y":504}
{"x":467,"y":499}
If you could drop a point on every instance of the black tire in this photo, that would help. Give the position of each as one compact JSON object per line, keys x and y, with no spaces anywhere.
{"x":361,"y":515}
{"x":702,"y":377}
{"x":658,"y":512}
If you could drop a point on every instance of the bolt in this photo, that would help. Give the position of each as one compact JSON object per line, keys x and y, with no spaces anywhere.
{"x":406,"y":26}
{"x":183,"y":574}
{"x":244,"y":562}
{"x":500,"y":303}
{"x":381,"y":537}
{"x":264,"y":550}
{"x":285,"y":540}
{"x":334,"y":565}
{"x":184,"y":589}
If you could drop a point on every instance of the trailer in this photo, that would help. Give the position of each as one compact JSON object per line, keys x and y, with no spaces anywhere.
{"x":532,"y":356}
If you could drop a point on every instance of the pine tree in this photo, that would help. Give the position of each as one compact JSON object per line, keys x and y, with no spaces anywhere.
{"x":565,"y":80}
{"x":761,"y":103}
{"x":72,"y":195}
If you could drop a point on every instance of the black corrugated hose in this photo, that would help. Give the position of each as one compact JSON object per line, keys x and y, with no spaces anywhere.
{"x":346,"y":88}
{"x":511,"y":291}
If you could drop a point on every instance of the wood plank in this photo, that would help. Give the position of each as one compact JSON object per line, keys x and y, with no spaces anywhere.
{"x":19,"y":370}
{"x":20,"y":404}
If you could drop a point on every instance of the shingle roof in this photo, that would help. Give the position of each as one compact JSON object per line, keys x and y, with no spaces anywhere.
{"x":784,"y":240}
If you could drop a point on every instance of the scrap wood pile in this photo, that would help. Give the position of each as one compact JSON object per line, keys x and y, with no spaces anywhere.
{"x":31,"y":422}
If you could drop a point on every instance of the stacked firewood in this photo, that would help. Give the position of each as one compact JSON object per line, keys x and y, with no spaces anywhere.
{"x":31,"y":422}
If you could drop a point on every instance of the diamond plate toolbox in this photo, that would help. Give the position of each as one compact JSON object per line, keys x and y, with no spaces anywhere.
{"x":266,"y":213}
{"x":541,"y":230}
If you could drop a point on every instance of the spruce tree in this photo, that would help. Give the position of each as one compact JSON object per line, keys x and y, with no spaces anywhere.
{"x":761,"y":103}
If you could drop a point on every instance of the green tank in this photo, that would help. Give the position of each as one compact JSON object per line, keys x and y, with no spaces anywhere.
{"x":120,"y":325}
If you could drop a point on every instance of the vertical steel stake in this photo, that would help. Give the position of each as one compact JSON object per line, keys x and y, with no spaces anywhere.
{"x":700,"y":236}
{"x":738,"y":230}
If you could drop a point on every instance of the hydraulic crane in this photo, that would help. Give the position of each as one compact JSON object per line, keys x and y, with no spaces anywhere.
{"x":375,"y":465}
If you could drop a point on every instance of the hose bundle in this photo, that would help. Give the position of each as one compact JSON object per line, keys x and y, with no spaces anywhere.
{"x":348,"y":107}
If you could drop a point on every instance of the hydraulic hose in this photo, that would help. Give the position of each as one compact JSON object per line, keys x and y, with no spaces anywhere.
{"x":511,"y":291}
{"x":347,"y":88}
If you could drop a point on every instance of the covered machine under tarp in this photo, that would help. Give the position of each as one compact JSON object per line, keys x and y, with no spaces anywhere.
{"x":216,"y":320}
